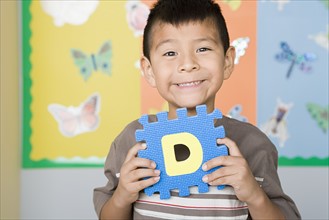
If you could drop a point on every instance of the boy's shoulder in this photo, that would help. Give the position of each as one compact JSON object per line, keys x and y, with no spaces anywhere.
{"x":247,"y":136}
{"x":232,"y":125}
{"x":129,"y":130}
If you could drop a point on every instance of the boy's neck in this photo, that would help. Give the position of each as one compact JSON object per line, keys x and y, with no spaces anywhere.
{"x":172,"y":114}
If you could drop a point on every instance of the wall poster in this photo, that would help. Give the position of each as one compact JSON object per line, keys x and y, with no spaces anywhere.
{"x":82,"y":83}
{"x":292,"y":75}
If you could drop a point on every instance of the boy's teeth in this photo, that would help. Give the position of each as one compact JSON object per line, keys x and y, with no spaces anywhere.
{"x":189,"y":83}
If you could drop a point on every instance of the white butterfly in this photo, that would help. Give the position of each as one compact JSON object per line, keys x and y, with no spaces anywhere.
{"x":137,"y":14}
{"x":276,"y":126}
{"x":77,"y":120}
{"x":71,"y":12}
{"x":240,"y":45}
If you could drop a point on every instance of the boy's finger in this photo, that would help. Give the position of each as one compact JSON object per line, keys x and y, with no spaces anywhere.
{"x":218,"y":161}
{"x":134,"y":150}
{"x":234,"y":153}
{"x":144,"y":173}
{"x":142,"y":184}
{"x":142,"y":163}
{"x":232,"y":147}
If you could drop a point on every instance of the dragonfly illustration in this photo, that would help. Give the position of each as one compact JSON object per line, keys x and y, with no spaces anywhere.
{"x":287,"y":55}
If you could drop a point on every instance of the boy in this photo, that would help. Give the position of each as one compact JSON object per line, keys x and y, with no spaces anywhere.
{"x":187,"y":57}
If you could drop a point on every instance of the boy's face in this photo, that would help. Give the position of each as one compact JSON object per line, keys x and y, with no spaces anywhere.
{"x":187,"y":64}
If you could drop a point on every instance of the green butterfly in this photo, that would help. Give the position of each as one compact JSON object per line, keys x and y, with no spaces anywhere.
{"x":319,"y":114}
{"x":234,"y":4}
{"x":93,"y":62}
{"x":326,"y":3}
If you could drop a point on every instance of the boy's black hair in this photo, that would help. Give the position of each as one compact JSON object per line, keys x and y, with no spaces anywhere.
{"x":177,"y":12}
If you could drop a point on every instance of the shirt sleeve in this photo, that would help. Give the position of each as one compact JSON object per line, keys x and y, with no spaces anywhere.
{"x":103,"y":194}
{"x":262,"y":157}
{"x":272,"y":187}
{"x":118,"y":152}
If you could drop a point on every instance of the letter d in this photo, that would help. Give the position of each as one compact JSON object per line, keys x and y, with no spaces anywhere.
{"x":191,"y":164}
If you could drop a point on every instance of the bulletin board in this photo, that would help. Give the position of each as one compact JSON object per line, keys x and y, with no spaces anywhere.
{"x":82,"y":82}
{"x":292,"y":75}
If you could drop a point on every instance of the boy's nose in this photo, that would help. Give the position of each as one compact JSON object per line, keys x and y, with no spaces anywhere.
{"x":188,"y":65}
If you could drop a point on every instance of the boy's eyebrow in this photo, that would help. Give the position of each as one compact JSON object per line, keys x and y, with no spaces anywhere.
{"x":206,"y":39}
{"x":163,"y":42}
{"x":196,"y":40}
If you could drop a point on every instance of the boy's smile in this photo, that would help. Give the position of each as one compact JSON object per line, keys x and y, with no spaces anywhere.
{"x":189,"y":84}
{"x":187,"y":64}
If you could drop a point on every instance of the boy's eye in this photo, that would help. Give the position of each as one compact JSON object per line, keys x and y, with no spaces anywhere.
{"x":203,"y":49}
{"x":170,"y":54}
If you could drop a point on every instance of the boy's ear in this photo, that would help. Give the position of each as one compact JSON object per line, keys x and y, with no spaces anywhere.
{"x":229,"y":62}
{"x":147,"y":71}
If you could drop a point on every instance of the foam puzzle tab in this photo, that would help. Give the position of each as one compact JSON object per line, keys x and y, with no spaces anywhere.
{"x":195,"y":133}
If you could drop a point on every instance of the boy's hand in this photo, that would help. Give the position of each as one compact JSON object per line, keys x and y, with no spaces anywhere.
{"x":235,"y":172}
{"x":132,"y":174}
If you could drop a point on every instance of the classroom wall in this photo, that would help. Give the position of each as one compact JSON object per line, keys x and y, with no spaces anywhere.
{"x":67,"y":193}
{"x":10,"y":157}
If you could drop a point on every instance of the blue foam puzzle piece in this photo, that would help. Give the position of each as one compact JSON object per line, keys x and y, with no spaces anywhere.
{"x":201,"y":126}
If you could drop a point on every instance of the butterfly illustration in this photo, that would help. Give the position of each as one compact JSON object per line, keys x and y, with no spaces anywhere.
{"x":276,"y":126}
{"x":73,"y":121}
{"x":137,"y":13}
{"x":287,"y":55}
{"x":281,"y":3}
{"x":326,"y":3}
{"x":235,"y":112}
{"x":319,"y":114}
{"x":240,"y":45}
{"x":321,"y":39}
{"x":70,"y":12}
{"x":234,"y":4}
{"x":94,"y":62}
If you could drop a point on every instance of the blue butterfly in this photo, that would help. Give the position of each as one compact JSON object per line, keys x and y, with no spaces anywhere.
{"x":235,"y":112}
{"x":94,"y":62}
